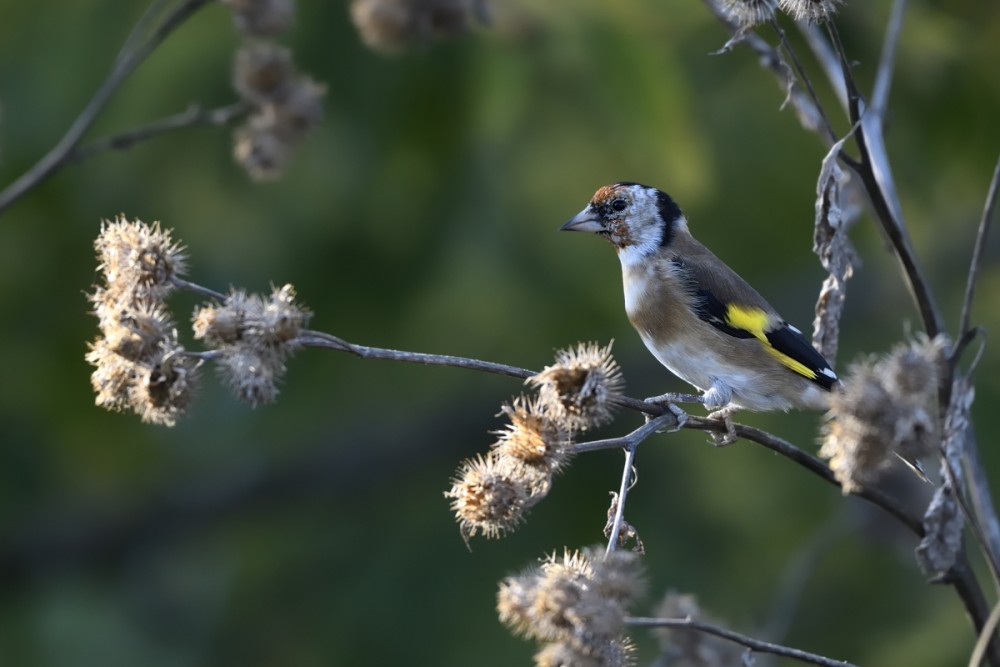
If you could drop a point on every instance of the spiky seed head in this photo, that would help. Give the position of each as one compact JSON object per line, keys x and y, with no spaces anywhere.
{"x":167,"y":387}
{"x":748,"y":13}
{"x":113,"y":378}
{"x":810,"y":10}
{"x":886,"y":408}
{"x":391,"y":26}
{"x":262,"y":18}
{"x":487,"y":498}
{"x":263,"y":72}
{"x":533,"y":438}
{"x":137,"y":259}
{"x":580,"y":389}
{"x":251,"y":373}
{"x":258,"y":149}
{"x":565,"y":603}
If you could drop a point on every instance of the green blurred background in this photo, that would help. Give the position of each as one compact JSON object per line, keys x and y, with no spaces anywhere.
{"x":422,"y":215}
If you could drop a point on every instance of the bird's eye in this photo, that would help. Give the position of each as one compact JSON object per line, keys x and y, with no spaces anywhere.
{"x":619,"y":205}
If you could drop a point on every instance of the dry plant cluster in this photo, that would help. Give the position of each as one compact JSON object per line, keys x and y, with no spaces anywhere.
{"x":911,"y":404}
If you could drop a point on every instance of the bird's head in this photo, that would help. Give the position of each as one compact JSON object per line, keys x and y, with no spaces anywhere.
{"x":630,"y":215}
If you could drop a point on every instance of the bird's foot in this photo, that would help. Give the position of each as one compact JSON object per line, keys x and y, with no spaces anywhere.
{"x":671,"y":397}
{"x":680,"y":417}
{"x":729,"y":436}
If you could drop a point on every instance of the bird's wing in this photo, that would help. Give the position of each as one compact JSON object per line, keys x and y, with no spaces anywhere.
{"x":731,"y":305}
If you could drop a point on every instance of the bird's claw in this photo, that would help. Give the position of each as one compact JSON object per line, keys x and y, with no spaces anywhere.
{"x":680,"y":418}
{"x":729,"y":436}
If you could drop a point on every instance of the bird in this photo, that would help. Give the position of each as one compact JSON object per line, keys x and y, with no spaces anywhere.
{"x":697,"y":316}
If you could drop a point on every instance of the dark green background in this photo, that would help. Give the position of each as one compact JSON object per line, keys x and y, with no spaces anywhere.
{"x":422,"y":215}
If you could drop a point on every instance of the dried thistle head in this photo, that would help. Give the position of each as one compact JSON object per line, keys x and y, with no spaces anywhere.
{"x":158,"y":386}
{"x":263,"y":72}
{"x":580,"y":389}
{"x":886,"y":409}
{"x":137,"y":259}
{"x":618,"y":652}
{"x":810,"y":10}
{"x":683,"y":647}
{"x":262,"y":18}
{"x":167,"y":387}
{"x":279,"y":320}
{"x":564,"y":603}
{"x":533,"y":438}
{"x":391,"y":26}
{"x":748,"y":13}
{"x":258,"y":148}
{"x":487,"y":497}
{"x":251,"y":373}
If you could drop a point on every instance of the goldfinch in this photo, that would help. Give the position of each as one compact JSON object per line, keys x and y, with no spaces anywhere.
{"x":697,"y":316}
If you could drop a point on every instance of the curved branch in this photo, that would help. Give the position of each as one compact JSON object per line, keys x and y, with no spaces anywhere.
{"x":190,"y":117}
{"x":751,"y":643}
{"x":124,"y":65}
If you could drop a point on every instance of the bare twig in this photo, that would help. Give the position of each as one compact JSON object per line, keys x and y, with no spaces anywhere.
{"x":320,"y":339}
{"x":190,"y":117}
{"x":887,"y":62}
{"x":627,"y":476}
{"x":831,"y":135}
{"x":985,"y":635}
{"x":876,"y":175}
{"x":126,"y":62}
{"x":977,"y":256}
{"x":750,"y":642}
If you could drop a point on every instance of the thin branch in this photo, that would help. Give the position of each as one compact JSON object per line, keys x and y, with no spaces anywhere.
{"x":180,"y":283}
{"x":123,"y":66}
{"x":977,"y":254}
{"x":876,"y":175}
{"x":190,"y":117}
{"x":831,"y":135}
{"x":319,"y":339}
{"x":627,"y":477}
{"x":983,"y":641}
{"x":751,"y":643}
{"x":887,"y":62}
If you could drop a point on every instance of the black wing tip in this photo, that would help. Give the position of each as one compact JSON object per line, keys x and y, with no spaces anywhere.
{"x":789,"y":340}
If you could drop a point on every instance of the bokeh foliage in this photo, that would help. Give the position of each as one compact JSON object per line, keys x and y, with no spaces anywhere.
{"x":423,"y":215}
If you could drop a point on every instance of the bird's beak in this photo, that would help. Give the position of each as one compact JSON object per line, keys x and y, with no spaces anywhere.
{"x":586,"y":220}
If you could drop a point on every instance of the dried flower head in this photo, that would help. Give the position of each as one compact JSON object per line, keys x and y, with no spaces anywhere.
{"x":580,"y":389}
{"x":299,"y":111}
{"x":264,"y":143}
{"x":134,"y":330}
{"x":487,"y":497}
{"x":683,"y":647}
{"x":158,"y":386}
{"x":258,"y":149}
{"x":167,"y":386}
{"x":390,"y":26}
{"x":262,"y":18}
{"x":616,"y":653}
{"x":885,"y":410}
{"x":748,"y":13}
{"x":263,"y":72}
{"x":533,"y":438}
{"x":279,"y":320}
{"x":251,"y":373}
{"x":565,"y":603}
{"x":138,"y":259}
{"x":113,"y":378}
{"x":810,"y":10}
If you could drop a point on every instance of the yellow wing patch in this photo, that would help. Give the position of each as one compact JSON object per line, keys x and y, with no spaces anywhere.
{"x":755,"y":321}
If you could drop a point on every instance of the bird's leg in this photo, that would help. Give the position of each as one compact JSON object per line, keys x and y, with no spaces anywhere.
{"x":725,"y":415}
{"x":720,"y":396}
